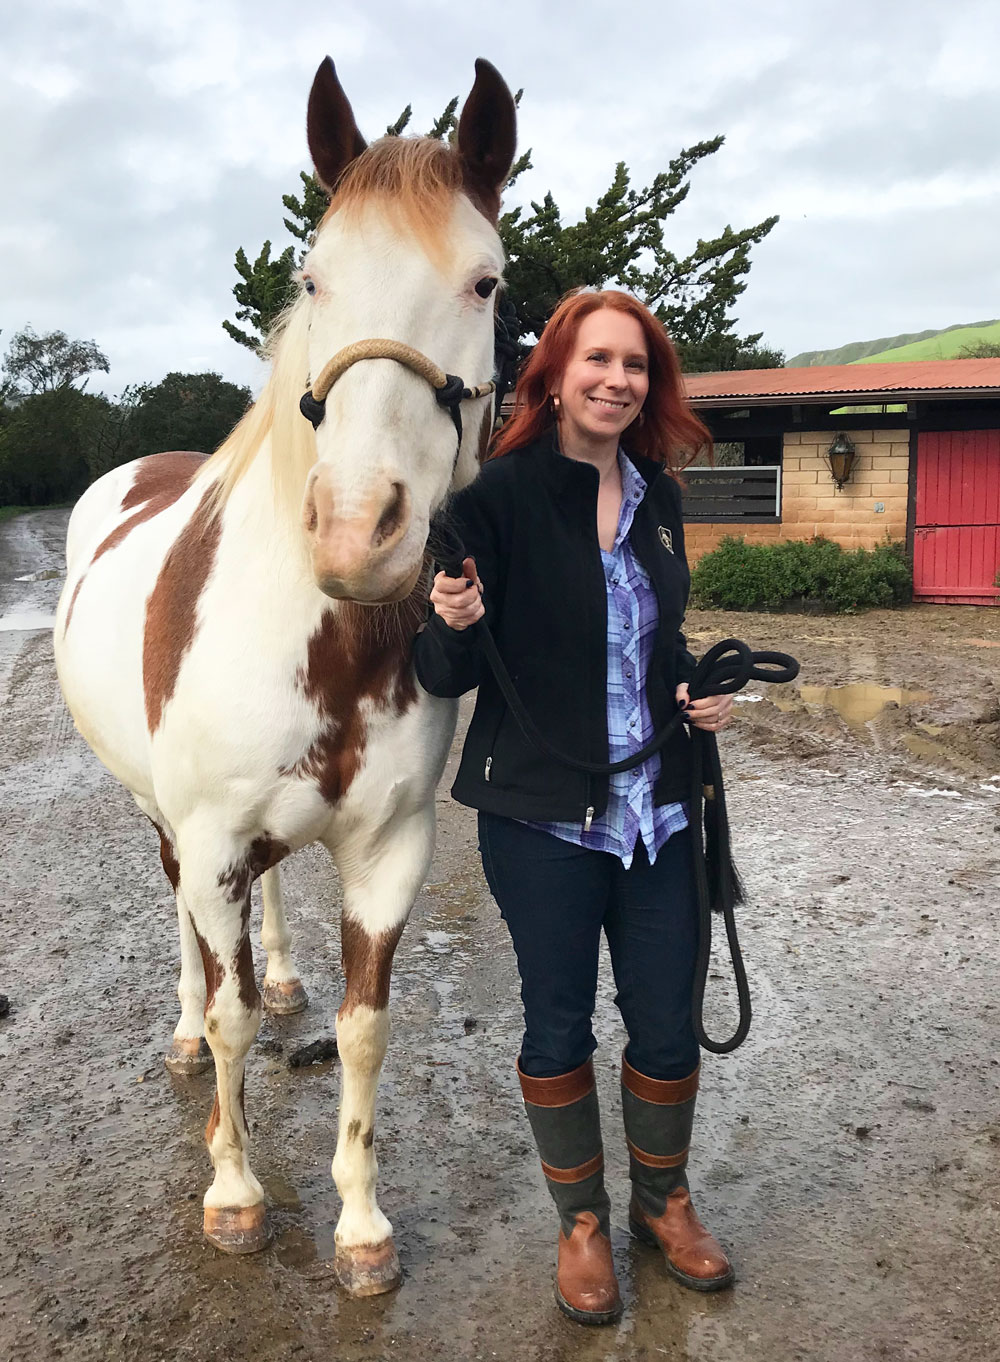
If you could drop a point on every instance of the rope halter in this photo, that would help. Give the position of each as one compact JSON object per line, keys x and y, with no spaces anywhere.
{"x":449,"y":389}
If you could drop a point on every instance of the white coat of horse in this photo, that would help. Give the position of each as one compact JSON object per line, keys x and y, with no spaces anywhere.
{"x":233,"y":639}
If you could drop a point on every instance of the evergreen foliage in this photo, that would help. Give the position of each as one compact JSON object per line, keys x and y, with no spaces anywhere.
{"x":620,"y":242}
{"x":800,"y":574}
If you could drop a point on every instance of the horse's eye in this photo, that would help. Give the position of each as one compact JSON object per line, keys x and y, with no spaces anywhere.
{"x":309,"y":286}
{"x":486,"y":286}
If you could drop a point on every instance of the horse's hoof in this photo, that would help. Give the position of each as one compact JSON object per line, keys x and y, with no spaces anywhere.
{"x":238,"y":1229}
{"x":189,"y":1057}
{"x":368,"y":1269}
{"x":284,"y":998}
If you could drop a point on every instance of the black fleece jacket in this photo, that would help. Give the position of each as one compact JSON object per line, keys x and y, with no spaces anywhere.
{"x":530,"y":522}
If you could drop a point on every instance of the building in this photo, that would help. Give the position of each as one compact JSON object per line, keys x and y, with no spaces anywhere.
{"x":916,"y":447}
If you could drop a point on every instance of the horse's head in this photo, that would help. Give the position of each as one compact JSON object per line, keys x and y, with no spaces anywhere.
{"x":408,"y":252}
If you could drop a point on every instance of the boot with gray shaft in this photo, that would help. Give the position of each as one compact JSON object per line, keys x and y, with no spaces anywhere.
{"x":566,"y":1123}
{"x":659,"y":1116}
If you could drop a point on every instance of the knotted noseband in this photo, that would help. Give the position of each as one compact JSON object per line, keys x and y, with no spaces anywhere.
{"x":449,"y":389}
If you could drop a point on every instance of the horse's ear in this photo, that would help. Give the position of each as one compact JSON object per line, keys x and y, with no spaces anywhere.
{"x":487,"y":138}
{"x":334,"y":139}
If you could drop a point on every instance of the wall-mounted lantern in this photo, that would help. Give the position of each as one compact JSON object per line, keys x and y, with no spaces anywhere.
{"x":840,"y":456}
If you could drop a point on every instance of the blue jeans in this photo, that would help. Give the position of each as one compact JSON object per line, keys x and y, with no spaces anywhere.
{"x":555,"y":898}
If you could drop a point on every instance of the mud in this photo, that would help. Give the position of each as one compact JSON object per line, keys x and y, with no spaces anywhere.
{"x":849,"y":1154}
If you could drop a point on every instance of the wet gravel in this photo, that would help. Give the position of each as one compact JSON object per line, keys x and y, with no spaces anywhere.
{"x":848,"y":1154}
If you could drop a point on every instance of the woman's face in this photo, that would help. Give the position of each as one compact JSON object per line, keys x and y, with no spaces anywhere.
{"x":606,"y":380}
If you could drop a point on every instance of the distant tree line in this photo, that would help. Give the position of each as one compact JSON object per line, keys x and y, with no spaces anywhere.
{"x":56,"y":438}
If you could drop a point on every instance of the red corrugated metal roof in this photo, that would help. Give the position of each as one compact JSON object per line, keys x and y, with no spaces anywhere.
{"x":861,"y":383}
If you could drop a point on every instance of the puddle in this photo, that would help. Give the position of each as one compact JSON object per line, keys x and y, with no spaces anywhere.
{"x":46,"y":575}
{"x":856,"y":704}
{"x":927,"y":747}
{"x":27,"y":619}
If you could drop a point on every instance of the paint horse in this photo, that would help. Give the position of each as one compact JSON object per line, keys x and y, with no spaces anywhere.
{"x":233,"y":639}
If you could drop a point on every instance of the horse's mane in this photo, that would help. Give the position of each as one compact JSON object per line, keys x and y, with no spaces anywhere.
{"x":411,"y":182}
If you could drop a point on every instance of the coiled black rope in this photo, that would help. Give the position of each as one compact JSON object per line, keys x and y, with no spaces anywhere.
{"x":724,"y":669}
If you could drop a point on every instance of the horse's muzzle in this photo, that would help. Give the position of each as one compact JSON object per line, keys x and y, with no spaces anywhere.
{"x":360,"y":554}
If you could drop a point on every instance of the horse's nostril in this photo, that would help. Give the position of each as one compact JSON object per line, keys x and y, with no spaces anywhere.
{"x":392,"y":516}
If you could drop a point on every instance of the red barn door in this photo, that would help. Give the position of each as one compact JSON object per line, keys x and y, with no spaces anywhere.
{"x":956,"y":543}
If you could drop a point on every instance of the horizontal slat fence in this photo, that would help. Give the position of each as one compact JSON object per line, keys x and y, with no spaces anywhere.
{"x":741,"y":495}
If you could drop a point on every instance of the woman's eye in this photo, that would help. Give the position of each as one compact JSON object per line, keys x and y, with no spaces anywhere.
{"x":486,"y":286}
{"x":598,"y":356}
{"x":309,"y":286}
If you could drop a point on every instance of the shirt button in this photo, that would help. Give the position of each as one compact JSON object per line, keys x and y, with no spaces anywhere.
{"x":628,"y":676}
{"x":626,"y":624}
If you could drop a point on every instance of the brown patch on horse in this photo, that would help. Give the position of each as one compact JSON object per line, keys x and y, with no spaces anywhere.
{"x":72,"y":603}
{"x":172,"y":608}
{"x":159,"y":481}
{"x":367,"y":960}
{"x":368,"y":1138}
{"x":353,"y":1130}
{"x":162,"y":477}
{"x":358,"y":654}
{"x":243,"y":969}
{"x":214,"y":969}
{"x":263,"y":853}
{"x":213,"y":1120}
{"x":168,"y":857}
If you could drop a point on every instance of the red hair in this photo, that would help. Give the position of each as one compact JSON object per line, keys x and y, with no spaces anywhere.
{"x":668,"y":432}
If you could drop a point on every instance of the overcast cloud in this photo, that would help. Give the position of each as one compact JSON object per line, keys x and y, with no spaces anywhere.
{"x":140,"y":145}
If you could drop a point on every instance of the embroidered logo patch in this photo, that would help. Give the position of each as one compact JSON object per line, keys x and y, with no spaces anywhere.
{"x":666,"y":538}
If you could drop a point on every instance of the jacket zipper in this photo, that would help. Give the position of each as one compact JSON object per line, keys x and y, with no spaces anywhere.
{"x":489,"y":763}
{"x":589,"y":818}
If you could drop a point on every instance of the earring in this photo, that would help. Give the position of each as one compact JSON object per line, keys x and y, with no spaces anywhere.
{"x":555,"y":402}
{"x":642,"y":417}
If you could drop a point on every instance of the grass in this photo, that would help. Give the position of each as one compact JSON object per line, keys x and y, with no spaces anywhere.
{"x":944,"y":346}
{"x":9,"y":512}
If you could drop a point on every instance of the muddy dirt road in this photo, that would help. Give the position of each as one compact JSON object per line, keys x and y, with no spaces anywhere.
{"x":849,"y":1154}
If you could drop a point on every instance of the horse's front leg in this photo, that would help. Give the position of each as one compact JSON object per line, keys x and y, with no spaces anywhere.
{"x":217,"y":895}
{"x":282,"y":990}
{"x":381,"y":876}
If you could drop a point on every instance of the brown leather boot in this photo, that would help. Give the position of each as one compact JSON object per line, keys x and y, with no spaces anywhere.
{"x":659,"y":1115}
{"x":565,"y":1121}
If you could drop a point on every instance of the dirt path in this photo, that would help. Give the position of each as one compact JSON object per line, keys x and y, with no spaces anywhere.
{"x":849,"y":1154}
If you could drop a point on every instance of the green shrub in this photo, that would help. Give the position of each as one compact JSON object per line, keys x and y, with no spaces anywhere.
{"x":742,"y":576}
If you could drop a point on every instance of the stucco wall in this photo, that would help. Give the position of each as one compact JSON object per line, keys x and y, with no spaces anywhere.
{"x":811,"y":504}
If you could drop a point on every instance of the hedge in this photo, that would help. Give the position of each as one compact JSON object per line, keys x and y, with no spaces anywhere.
{"x":797,"y":573}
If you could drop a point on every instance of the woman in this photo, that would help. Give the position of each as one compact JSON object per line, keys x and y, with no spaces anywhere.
{"x":576,"y":562}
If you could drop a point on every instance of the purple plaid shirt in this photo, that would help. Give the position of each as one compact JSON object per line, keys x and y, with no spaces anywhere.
{"x":632,"y":619}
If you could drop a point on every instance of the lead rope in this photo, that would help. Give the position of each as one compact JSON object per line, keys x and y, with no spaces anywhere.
{"x":724,"y":669}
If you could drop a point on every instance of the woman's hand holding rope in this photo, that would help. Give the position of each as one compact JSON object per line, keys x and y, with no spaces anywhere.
{"x":459,"y":600}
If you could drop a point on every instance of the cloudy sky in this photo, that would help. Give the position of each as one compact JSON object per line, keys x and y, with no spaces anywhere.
{"x":141,"y":144}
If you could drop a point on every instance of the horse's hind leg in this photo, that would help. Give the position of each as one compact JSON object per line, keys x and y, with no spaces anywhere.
{"x":282,"y":990}
{"x":189,"y":1052}
{"x":217,"y":893}
{"x":381,"y":880}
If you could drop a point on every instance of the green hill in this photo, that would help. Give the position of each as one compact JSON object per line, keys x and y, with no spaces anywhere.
{"x":942,"y":344}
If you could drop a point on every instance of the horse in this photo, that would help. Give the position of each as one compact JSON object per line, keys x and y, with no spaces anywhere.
{"x":233,"y":640}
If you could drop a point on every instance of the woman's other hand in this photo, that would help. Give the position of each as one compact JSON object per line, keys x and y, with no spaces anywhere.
{"x":711,"y":713}
{"x":458,"y":600}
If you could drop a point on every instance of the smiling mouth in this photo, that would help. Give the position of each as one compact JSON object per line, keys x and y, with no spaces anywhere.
{"x":607,"y":404}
